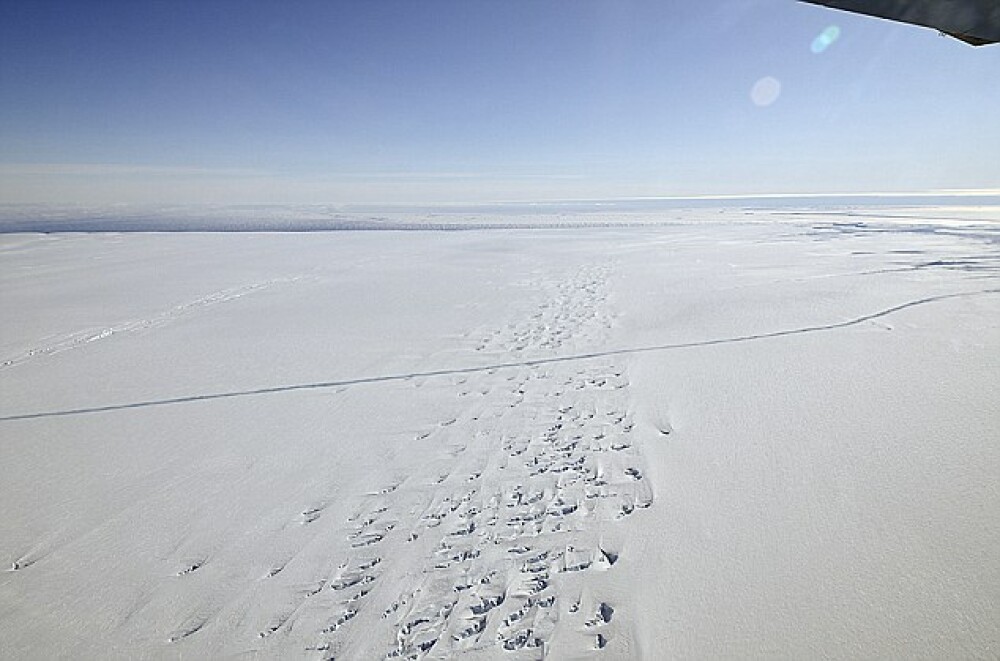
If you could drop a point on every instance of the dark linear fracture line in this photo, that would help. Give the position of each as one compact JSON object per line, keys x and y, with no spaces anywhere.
{"x":485,"y":368}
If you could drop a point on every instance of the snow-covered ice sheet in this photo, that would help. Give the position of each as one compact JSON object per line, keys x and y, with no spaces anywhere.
{"x":727,"y":440}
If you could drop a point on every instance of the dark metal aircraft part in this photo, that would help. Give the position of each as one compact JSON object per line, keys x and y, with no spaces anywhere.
{"x":975,"y":22}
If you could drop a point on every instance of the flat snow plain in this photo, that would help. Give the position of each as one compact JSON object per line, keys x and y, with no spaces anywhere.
{"x":774,"y":439}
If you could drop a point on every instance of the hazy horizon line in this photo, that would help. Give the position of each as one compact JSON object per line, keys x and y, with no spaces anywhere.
{"x":981,"y":197}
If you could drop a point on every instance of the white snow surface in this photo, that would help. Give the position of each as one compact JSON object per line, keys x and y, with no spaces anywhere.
{"x":722,"y":440}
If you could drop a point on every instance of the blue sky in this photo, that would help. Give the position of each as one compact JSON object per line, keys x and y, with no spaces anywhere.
{"x":476,"y":101}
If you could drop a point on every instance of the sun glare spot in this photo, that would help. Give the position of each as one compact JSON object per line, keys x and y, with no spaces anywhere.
{"x":825,"y":39}
{"x":765,"y":91}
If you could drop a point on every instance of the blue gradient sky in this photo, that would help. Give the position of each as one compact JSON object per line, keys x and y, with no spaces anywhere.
{"x":405,"y":102}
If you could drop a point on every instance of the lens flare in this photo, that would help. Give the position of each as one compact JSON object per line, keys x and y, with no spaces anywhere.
{"x":765,"y":91}
{"x":825,"y":39}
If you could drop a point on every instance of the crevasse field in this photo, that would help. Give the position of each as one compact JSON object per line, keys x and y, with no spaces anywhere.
{"x":757,"y":437}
